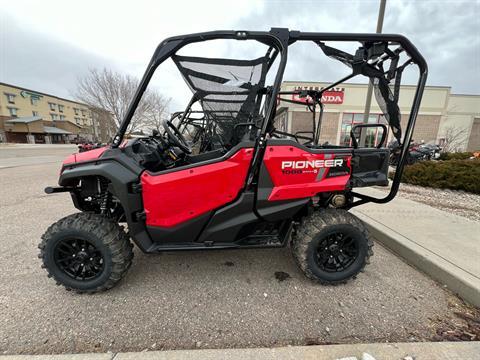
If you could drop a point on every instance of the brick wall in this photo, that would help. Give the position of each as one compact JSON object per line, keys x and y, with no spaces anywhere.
{"x":426,"y":127}
{"x":302,"y":121}
{"x":68,"y":126}
{"x":329,"y":129}
{"x":2,"y":121}
{"x":31,"y":127}
{"x":474,"y":139}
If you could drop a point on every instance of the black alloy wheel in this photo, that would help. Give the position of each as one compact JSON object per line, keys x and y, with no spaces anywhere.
{"x":336,"y":252}
{"x":79,"y":259}
{"x":331,"y":246}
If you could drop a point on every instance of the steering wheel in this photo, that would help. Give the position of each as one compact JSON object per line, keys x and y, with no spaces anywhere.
{"x":176,"y":137}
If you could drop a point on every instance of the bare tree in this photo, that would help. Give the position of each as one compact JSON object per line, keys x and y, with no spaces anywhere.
{"x":158,"y":111}
{"x":454,"y":138}
{"x":113,"y":91}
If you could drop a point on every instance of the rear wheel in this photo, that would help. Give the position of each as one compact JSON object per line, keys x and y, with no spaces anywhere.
{"x":86,"y":252}
{"x":331,"y":246}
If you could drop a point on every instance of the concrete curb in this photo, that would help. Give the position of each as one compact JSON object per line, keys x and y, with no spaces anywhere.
{"x":456,"y":279}
{"x":417,"y":351}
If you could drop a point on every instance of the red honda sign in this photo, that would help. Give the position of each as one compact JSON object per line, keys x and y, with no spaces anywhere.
{"x":328,"y":97}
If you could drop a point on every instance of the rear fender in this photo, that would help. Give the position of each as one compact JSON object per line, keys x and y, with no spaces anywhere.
{"x":291,"y":171}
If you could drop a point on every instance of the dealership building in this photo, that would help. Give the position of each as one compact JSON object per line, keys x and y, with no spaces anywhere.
{"x":441,"y":114}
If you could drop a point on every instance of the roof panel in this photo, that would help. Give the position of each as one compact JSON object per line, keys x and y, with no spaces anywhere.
{"x":24,"y":120}
{"x":54,"y":130}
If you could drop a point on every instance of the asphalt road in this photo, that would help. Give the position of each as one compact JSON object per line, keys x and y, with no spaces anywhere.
{"x":192,"y":299}
{"x":28,"y":154}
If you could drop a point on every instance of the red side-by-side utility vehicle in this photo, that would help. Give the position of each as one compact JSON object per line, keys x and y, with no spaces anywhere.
{"x":222,"y":175}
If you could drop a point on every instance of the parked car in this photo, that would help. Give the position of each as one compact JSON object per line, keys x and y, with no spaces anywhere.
{"x":87,"y":146}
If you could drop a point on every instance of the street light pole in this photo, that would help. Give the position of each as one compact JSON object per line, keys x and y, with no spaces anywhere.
{"x":368,"y":103}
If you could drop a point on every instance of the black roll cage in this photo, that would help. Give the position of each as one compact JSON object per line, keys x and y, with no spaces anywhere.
{"x":279,"y":39}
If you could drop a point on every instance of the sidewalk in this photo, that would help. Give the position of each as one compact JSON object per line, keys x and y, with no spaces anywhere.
{"x":417,"y":351}
{"x":443,"y":245}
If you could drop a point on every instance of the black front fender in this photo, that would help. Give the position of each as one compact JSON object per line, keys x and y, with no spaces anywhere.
{"x":121,"y":179}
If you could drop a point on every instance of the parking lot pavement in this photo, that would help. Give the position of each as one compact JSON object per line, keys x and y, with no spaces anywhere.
{"x":216,"y":299}
{"x":13,"y":155}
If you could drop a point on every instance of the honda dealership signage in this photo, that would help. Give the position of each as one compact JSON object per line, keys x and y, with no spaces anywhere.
{"x":333,"y":96}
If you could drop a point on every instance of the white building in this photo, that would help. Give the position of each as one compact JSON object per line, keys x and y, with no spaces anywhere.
{"x":441,"y":113}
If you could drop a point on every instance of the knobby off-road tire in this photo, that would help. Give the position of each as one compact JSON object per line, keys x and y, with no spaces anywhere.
{"x":105,"y":240}
{"x":321,"y":227}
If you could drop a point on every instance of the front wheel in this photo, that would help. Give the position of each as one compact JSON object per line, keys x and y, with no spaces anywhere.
{"x":86,"y":252}
{"x":331,"y":246}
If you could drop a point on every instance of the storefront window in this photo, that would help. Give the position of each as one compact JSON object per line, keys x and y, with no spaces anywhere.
{"x":357,"y":118}
{"x":373,"y":135}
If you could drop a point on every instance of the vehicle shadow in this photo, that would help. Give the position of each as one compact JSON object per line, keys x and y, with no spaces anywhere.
{"x":219,"y":267}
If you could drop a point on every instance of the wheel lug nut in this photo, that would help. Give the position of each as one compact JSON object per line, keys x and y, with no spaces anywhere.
{"x":82,"y":264}
{"x":83,"y":249}
{"x":91,"y":259}
{"x":73,"y":255}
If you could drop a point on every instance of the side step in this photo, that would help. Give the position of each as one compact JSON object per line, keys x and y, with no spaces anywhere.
{"x":251,"y":243}
{"x":260,"y":239}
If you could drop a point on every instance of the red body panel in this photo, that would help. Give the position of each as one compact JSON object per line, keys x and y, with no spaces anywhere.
{"x":85,"y":156}
{"x":172,"y":198}
{"x":297,"y":173}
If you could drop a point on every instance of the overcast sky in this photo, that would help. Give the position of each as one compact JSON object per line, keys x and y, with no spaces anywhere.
{"x":46,"y":45}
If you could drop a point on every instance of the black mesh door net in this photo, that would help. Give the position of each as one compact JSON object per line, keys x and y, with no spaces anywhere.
{"x":229,"y":91}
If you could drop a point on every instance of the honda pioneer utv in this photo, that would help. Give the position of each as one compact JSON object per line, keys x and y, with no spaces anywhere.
{"x":221,"y":176}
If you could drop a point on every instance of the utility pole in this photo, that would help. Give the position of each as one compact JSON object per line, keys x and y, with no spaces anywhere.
{"x":368,"y":103}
